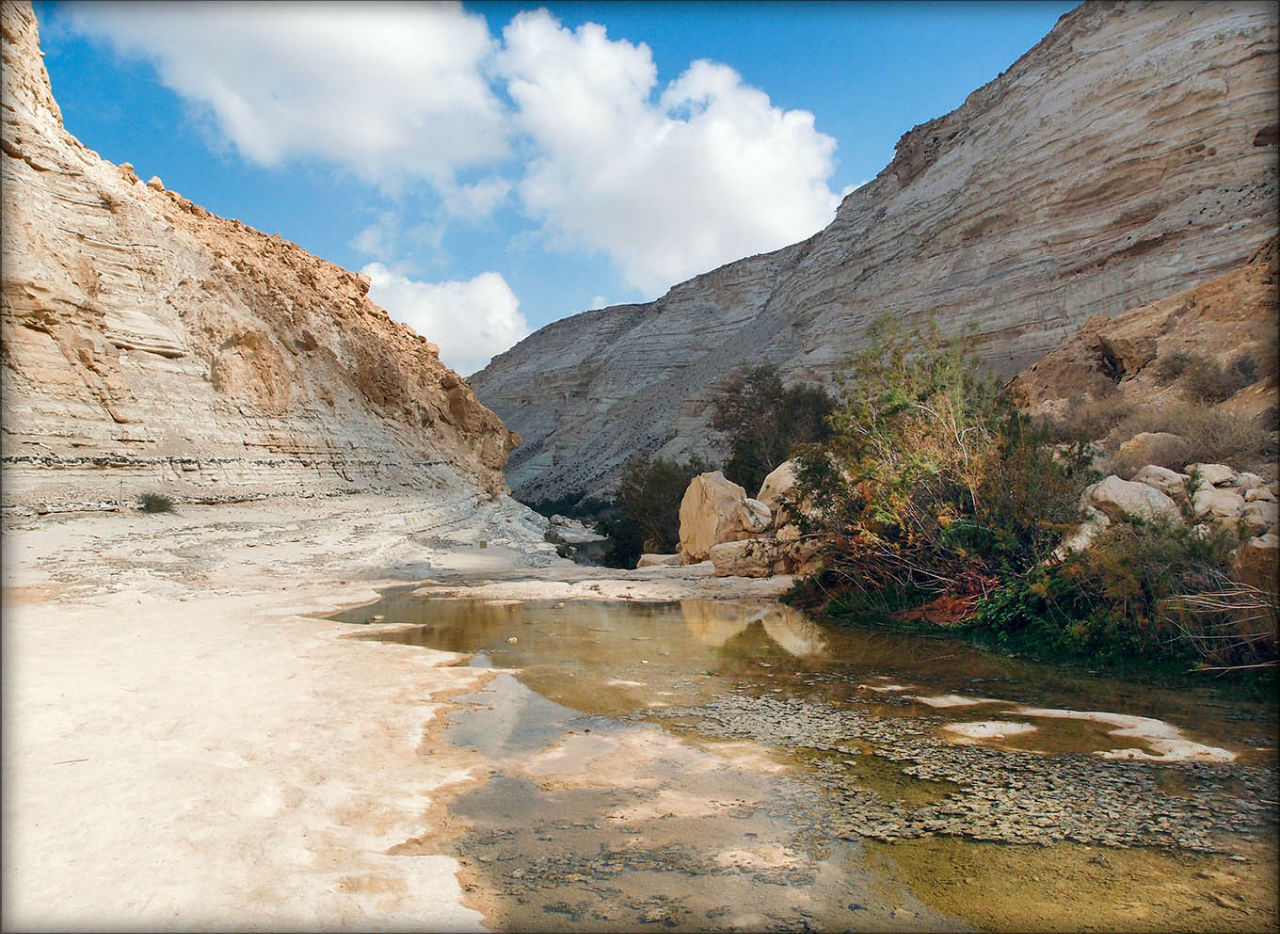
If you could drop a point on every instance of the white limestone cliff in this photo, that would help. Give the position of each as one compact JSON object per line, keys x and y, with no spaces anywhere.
{"x":1130,"y":155}
{"x":150,"y":346}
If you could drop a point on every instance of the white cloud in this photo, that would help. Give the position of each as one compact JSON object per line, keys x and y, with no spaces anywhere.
{"x":475,"y":201}
{"x":379,"y":239}
{"x":389,"y":91}
{"x":470,"y":321}
{"x":598,"y":302}
{"x":667,"y":182}
{"x":709,"y":173}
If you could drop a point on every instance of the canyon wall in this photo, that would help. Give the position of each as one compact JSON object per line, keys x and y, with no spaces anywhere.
{"x":1128,"y":156}
{"x":150,"y":346}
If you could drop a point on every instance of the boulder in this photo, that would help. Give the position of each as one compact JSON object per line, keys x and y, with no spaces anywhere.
{"x":1212,"y":474}
{"x":1259,"y":516}
{"x":753,"y":557}
{"x":659,"y":561}
{"x":1127,"y":354}
{"x":1169,"y":482}
{"x":1123,"y":500}
{"x":756,"y":516}
{"x":1217,"y":504}
{"x":1259,"y":493}
{"x":1161,"y":448}
{"x":1249,"y":481}
{"x":715,"y":510}
{"x":1083,"y":537}
{"x":777,"y":485}
{"x":1257,"y":562}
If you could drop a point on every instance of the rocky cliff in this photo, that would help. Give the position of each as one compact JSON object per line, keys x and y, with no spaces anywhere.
{"x":151,"y":346}
{"x":1128,"y":156}
{"x":1217,"y":338}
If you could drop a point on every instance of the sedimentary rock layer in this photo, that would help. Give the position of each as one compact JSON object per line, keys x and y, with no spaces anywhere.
{"x":152,"y":346}
{"x":1229,"y":318}
{"x":1128,"y":156}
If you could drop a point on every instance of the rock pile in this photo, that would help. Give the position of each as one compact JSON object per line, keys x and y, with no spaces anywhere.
{"x":1206,"y":496}
{"x":741,"y":536}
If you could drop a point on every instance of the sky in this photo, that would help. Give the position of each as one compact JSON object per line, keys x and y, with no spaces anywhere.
{"x":494,"y":167}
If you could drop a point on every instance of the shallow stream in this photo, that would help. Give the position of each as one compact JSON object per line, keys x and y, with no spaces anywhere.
{"x":716,"y":766}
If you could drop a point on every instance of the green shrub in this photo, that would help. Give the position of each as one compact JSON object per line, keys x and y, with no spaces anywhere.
{"x":931,"y":483}
{"x":155,"y":502}
{"x":647,"y":515}
{"x":1143,"y":592}
{"x":764,"y":422}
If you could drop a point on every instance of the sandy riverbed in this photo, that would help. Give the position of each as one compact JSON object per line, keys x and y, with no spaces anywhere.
{"x":187,"y":745}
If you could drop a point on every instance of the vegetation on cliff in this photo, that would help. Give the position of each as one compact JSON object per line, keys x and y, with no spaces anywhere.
{"x":940,"y":502}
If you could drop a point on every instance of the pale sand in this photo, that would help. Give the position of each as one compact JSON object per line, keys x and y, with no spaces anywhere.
{"x":184,"y":749}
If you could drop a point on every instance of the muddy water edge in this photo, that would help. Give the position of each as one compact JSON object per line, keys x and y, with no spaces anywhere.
{"x":735,"y":766}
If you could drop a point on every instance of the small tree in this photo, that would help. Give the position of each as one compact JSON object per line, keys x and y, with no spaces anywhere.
{"x":648,"y":501}
{"x":931,"y":483}
{"x":765,"y":422}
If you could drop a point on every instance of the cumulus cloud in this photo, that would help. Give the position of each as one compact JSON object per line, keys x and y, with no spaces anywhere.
{"x":709,"y":172}
{"x":666,"y":181}
{"x":388,"y":91}
{"x":469,"y":320}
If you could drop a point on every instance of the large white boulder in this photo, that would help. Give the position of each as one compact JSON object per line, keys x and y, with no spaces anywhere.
{"x":1169,"y":482}
{"x":752,"y":557}
{"x":1259,"y":516}
{"x":1122,"y":500}
{"x":1212,"y":474}
{"x":1095,"y":523}
{"x":1218,"y":504}
{"x":659,"y":561}
{"x":715,"y":510}
{"x":778,"y":484}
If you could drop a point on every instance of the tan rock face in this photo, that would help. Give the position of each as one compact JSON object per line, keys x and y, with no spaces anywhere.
{"x":715,"y":510}
{"x":1116,"y":163}
{"x":1217,"y":320}
{"x":1124,"y":499}
{"x":151,"y":346}
{"x":1169,"y":482}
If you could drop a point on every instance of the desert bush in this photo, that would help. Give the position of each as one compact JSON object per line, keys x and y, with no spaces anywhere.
{"x":155,"y":502}
{"x":931,"y":483}
{"x":1144,"y":591}
{"x":764,"y":421}
{"x":1088,"y":417}
{"x":1212,"y":435}
{"x":1170,"y":366}
{"x":1207,"y":381}
{"x":647,"y":518}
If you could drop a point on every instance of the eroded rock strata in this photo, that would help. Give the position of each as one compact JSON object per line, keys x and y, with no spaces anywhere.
{"x":152,"y":346}
{"x":1128,"y":156}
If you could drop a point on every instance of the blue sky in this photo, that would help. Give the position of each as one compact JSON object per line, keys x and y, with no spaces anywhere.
{"x":497,"y":166}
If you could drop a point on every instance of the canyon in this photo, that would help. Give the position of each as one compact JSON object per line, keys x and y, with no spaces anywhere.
{"x":1129,"y":156}
{"x":151,"y":346}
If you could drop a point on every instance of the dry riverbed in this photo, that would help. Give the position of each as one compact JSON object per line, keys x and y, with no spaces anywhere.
{"x":189,"y":744}
{"x":186,"y":742}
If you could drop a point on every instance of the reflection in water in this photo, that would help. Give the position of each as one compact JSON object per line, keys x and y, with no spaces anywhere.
{"x":604,"y":813}
{"x":715,"y":623}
